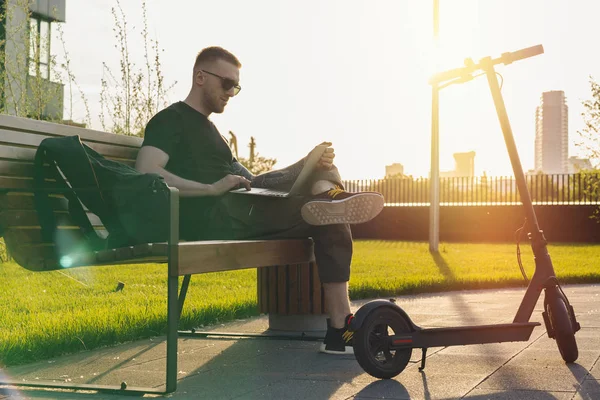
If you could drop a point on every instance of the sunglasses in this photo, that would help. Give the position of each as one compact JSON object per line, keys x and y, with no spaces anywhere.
{"x":226,"y":83}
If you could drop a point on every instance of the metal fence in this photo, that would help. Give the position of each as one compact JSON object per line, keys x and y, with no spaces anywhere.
{"x":557,"y":189}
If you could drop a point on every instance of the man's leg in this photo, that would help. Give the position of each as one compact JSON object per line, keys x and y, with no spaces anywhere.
{"x":270,"y":218}
{"x":257,"y":217}
{"x":337,"y":303}
{"x":321,"y":186}
{"x":333,"y":253}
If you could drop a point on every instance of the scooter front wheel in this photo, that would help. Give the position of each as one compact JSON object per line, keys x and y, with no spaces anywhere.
{"x":564,"y":332}
{"x":371,"y":344}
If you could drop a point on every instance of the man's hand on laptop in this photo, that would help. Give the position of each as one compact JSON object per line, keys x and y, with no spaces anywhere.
{"x":228,"y":183}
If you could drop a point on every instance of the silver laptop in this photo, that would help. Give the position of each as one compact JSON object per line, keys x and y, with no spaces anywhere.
{"x":299,"y":183}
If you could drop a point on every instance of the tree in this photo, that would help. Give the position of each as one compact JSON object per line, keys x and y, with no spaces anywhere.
{"x":129,"y":100}
{"x":590,"y":134}
{"x":590,"y":142}
{"x":256,"y":163}
{"x":259,"y":165}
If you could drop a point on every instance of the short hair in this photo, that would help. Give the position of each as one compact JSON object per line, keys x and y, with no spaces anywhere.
{"x":214,"y":53}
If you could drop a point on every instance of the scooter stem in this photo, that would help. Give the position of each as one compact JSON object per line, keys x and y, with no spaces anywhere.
{"x":543,"y":264}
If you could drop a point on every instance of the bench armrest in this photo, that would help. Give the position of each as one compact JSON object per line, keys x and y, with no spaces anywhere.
{"x":173,"y":241}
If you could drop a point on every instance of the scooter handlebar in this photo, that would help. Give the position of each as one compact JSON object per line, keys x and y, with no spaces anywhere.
{"x":450,"y":74}
{"x":468,"y":69}
{"x":532,"y":51}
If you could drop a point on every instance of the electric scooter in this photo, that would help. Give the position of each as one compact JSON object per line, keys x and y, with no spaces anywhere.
{"x":384,"y":335}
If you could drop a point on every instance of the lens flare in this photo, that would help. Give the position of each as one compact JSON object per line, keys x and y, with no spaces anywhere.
{"x":66,"y":261}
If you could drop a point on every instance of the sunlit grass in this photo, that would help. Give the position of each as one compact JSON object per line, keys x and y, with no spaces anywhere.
{"x":383,"y":268}
{"x":46,"y":314}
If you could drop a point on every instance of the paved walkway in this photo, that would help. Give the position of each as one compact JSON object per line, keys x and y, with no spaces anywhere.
{"x":283,"y":369}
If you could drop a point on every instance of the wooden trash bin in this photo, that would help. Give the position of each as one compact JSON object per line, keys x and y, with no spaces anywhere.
{"x":293,"y":297}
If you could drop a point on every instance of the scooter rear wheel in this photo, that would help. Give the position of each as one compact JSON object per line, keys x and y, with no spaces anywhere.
{"x":371,"y":344}
{"x":558,"y":313}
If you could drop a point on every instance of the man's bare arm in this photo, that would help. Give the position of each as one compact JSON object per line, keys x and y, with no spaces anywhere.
{"x":153,"y":160}
{"x":277,"y":177}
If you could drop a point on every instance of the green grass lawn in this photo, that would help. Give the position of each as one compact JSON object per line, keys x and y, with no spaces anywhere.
{"x":46,"y":314}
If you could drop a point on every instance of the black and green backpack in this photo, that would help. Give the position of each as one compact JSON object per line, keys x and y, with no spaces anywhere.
{"x":133,"y":207}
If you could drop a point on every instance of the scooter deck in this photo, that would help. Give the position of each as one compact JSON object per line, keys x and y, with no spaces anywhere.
{"x":465,"y":335}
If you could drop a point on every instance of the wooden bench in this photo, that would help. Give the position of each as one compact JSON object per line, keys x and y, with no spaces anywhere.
{"x":20,"y":229}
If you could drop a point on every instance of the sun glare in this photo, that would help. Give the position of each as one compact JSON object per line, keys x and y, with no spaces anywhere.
{"x":66,"y":262}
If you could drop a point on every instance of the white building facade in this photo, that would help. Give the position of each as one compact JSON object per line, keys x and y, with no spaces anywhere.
{"x":27,"y":85}
{"x":552,"y":133}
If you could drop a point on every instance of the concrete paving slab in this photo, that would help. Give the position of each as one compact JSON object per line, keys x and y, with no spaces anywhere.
{"x":486,"y":394}
{"x":542,"y":377}
{"x":231,"y":368}
{"x":420,"y":385}
{"x":589,"y":390}
{"x":334,"y":390}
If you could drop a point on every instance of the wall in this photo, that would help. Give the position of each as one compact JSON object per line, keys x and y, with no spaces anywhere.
{"x":482,"y":224}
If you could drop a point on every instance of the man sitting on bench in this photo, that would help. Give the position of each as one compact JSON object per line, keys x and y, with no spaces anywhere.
{"x":185,"y":147}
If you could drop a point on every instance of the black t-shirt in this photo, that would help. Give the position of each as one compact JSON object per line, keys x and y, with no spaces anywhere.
{"x":196,"y":150}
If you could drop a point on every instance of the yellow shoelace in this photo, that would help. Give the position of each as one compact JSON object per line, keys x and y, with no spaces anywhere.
{"x":335,"y":191}
{"x":347,"y":335}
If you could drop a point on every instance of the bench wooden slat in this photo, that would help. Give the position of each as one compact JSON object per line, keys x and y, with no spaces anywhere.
{"x":19,"y":169}
{"x":263,"y":286}
{"x":29,"y":218}
{"x":293,"y":289}
{"x":317,"y":306}
{"x":282,"y":299}
{"x":292,"y":286}
{"x":43,"y":257}
{"x":24,"y":154}
{"x":305,"y":288}
{"x":25,"y":201}
{"x":52,"y":129}
{"x":114,"y":152}
{"x":16,"y":168}
{"x":15,"y":183}
{"x":32,"y":235}
{"x":211,"y":256}
{"x":28,"y":140}
{"x":273,"y":272}
{"x":8,"y":152}
{"x":28,"y":236}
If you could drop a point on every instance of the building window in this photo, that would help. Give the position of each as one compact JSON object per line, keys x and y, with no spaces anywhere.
{"x":39,"y":47}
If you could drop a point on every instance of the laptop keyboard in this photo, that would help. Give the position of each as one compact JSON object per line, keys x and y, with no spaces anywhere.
{"x":272,"y":192}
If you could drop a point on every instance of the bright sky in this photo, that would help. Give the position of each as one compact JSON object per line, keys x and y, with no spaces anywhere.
{"x":355,"y":72}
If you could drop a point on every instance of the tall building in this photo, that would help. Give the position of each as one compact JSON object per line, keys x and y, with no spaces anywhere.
{"x":464,"y":164}
{"x":27,"y":84}
{"x":395,"y":169}
{"x":552,"y":133}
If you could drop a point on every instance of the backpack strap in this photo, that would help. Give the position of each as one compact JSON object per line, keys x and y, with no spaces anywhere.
{"x":48,"y":224}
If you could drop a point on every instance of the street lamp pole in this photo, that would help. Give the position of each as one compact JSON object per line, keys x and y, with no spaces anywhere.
{"x":434,"y":208}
